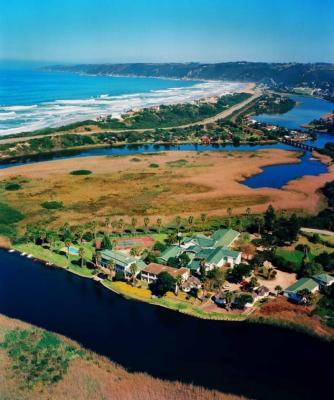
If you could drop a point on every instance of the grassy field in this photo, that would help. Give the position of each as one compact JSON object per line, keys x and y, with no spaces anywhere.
{"x":181,"y":184}
{"x":36,"y":364}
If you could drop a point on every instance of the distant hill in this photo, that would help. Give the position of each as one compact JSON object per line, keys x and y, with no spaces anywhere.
{"x":319,"y":75}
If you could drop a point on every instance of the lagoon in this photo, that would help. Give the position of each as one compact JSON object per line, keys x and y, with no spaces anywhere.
{"x":235,"y":357}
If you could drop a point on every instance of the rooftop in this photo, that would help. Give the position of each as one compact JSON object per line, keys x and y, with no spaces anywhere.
{"x":225,"y":237}
{"x":156,"y":269}
{"x":172,"y":251}
{"x":301,"y":284}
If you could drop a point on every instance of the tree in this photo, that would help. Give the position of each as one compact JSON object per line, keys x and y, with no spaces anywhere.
{"x":203,"y":219}
{"x":269,"y":218}
{"x":120,"y":225}
{"x":202,"y":269}
{"x":111,"y":266}
{"x":178,"y":222}
{"x":146,"y":222}
{"x":164,"y":283}
{"x":239,"y":272}
{"x":159,"y":223}
{"x":190,"y":222}
{"x":306,"y":296}
{"x":68,"y":245}
{"x":107,"y":221}
{"x":133,"y":269}
{"x":229,"y":213}
{"x":278,"y":289}
{"x":82,"y":256}
{"x":134,"y":251}
{"x":106,"y":243}
{"x":241,"y":300}
{"x":259,"y":224}
{"x":179,"y":281}
{"x":133,"y":224}
{"x":228,"y":298}
{"x":96,"y":259}
{"x":253,"y":282}
{"x":215,"y":278}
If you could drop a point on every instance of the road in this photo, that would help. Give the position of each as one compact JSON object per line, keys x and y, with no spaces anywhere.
{"x":319,"y":231}
{"x":221,"y":115}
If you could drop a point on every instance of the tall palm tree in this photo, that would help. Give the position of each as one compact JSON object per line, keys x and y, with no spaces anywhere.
{"x":97,"y":259}
{"x":133,"y":270}
{"x":190,"y":222}
{"x":120,"y":225}
{"x":82,"y":256}
{"x":178,"y":222}
{"x":107,"y":221}
{"x":133,"y":224}
{"x":68,"y":245}
{"x":146,"y":222}
{"x":203,"y":219}
{"x":111,"y":267}
{"x":178,"y":283}
{"x":159,"y":223}
{"x":229,"y":212}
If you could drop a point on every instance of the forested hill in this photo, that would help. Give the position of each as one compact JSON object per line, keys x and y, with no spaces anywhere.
{"x":313,"y":75}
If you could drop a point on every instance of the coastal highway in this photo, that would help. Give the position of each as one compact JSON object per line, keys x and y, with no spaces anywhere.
{"x":224,"y":114}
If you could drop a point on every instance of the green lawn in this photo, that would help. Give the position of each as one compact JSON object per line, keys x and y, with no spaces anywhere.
{"x":295,"y":256}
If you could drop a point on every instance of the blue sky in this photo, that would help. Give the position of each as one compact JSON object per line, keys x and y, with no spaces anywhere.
{"x":167,"y":30}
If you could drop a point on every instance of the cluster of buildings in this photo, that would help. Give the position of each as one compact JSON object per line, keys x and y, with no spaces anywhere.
{"x":296,"y":292}
{"x":203,"y":251}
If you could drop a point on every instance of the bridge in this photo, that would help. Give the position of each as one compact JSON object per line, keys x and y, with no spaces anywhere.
{"x":299,"y":145}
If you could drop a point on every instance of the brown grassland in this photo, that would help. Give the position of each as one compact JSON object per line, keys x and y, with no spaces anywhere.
{"x":162,"y":184}
{"x":94,"y":378}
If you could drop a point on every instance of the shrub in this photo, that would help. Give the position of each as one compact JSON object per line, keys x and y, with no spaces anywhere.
{"x":153,"y":165}
{"x":52,"y":205}
{"x":38,"y":356}
{"x":9,"y":215}
{"x":81,"y":172}
{"x":13,"y":186}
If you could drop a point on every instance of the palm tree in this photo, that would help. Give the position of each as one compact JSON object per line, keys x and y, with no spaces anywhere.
{"x":229,"y":212}
{"x":120,"y":225}
{"x":190,"y":221}
{"x":134,"y":251}
{"x":178,"y":222}
{"x":97,"y":259}
{"x":111,"y":267}
{"x":248,"y":211}
{"x":159,"y":223}
{"x":82,"y":256}
{"x":146,"y":222}
{"x":178,"y":283}
{"x":133,"y":224}
{"x":133,"y":270}
{"x":68,"y":245}
{"x":228,"y":299}
{"x":203,"y":219}
{"x":107,"y":221}
{"x":94,"y":226}
{"x":259,"y":224}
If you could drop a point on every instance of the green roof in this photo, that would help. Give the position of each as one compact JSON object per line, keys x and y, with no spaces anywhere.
{"x":204,"y":253}
{"x":195,"y":249}
{"x":301,"y":284}
{"x":118,"y":257}
{"x":194,"y":265}
{"x":172,"y":251}
{"x":324,"y":278}
{"x":225,"y":237}
{"x":204,"y":241}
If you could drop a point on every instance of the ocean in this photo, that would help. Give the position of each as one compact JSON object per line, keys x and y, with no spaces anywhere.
{"x":31,"y":99}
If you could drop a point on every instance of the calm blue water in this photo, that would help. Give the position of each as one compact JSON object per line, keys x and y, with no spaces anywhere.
{"x":234,"y":357}
{"x":307,"y":109}
{"x":273,"y":176}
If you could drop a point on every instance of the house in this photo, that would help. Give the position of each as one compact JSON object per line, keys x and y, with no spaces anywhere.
{"x":122,"y":263}
{"x":151,"y":271}
{"x":201,"y":241}
{"x":225,"y":237}
{"x":221,"y":237}
{"x":171,"y":251}
{"x":324,"y":280}
{"x":304,"y":283}
{"x":219,"y":256}
{"x":192,"y":283}
{"x":262,"y":292}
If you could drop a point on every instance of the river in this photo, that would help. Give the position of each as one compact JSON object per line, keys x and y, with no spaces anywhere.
{"x":257,"y":361}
